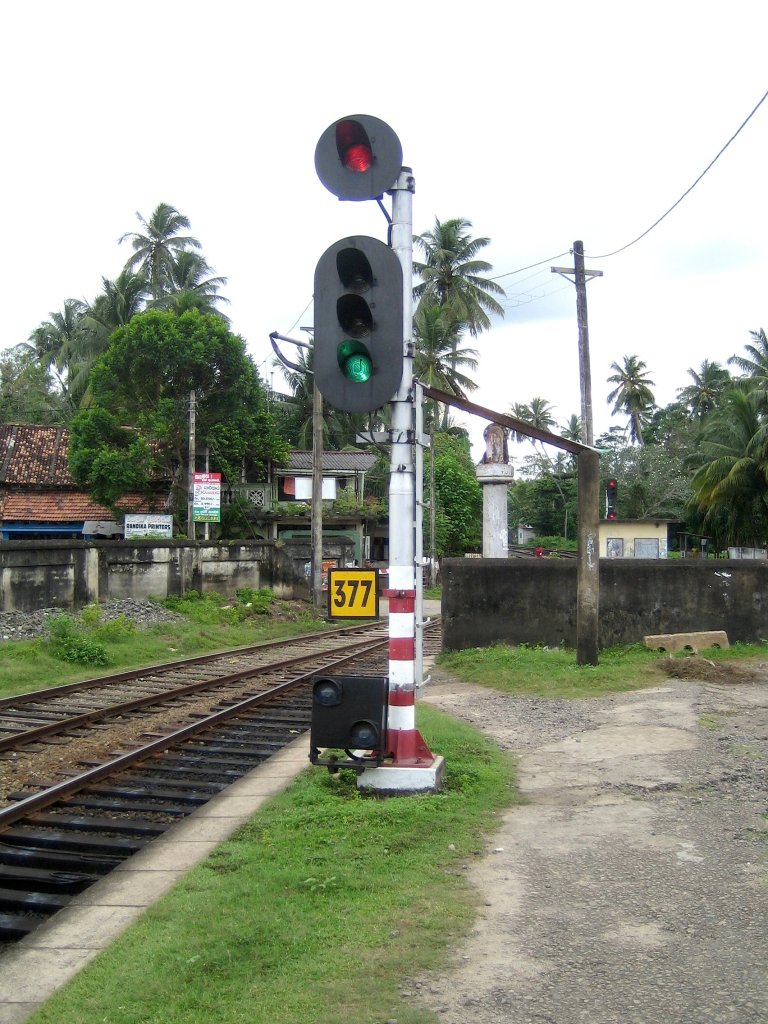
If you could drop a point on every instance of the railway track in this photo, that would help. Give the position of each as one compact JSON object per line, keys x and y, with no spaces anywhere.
{"x":60,"y":835}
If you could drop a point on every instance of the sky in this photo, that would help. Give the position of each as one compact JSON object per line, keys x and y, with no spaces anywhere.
{"x":541,"y":124}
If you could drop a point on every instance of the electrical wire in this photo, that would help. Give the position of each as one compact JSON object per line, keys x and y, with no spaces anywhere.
{"x":530,"y":266}
{"x":688,"y":190}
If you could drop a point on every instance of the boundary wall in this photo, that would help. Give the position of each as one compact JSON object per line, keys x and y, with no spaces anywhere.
{"x":490,"y":600}
{"x":70,"y":574}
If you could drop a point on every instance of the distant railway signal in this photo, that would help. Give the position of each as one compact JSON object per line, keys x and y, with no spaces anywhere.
{"x":611,"y":490}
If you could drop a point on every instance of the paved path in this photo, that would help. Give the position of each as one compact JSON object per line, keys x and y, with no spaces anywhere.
{"x":633,"y":886}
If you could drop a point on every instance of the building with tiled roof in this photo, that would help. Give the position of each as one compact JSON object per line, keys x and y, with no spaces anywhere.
{"x":38,"y":497}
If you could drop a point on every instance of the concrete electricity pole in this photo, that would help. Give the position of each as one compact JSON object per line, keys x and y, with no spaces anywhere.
{"x":580,"y":276}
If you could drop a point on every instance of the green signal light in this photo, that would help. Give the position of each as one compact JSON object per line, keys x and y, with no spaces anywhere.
{"x":355,"y":361}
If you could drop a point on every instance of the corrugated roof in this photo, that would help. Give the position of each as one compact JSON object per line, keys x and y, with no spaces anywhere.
{"x":345,"y":462}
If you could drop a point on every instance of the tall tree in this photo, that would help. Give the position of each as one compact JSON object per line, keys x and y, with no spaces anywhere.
{"x":144,"y":381}
{"x":192,"y":287}
{"x":27,"y":393}
{"x":709,"y":382}
{"x":755,"y":363}
{"x":55,"y":344}
{"x":451,"y":274}
{"x":439,"y":361}
{"x":157,"y":247}
{"x":730,"y":488}
{"x":632,"y":395}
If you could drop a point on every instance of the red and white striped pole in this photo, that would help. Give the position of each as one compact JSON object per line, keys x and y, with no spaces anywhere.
{"x":405,"y":745}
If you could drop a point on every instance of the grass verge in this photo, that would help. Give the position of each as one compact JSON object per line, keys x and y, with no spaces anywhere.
{"x":553,"y":672}
{"x":80,"y":646}
{"x":318,"y":910}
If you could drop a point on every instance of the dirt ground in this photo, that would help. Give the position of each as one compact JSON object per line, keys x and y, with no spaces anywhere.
{"x":632,"y":886}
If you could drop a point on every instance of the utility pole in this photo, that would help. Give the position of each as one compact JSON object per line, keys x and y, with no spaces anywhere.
{"x":580,"y":276}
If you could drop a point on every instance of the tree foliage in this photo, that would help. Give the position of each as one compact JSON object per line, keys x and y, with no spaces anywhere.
{"x":145,"y":380}
{"x":458,"y":499}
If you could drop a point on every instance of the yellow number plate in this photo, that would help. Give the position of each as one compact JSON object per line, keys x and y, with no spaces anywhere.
{"x":353,"y":594}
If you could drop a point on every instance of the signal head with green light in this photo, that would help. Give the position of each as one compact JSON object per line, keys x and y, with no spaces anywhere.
{"x":358,"y":359}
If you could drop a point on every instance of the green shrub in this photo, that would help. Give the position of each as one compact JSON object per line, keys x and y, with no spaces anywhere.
{"x":91,"y":615}
{"x":255,"y":602}
{"x":82,"y":649}
{"x":117,"y":631}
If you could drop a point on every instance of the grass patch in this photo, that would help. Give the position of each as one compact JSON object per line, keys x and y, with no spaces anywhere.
{"x":80,"y":646}
{"x":317,"y":910}
{"x":553,"y":672}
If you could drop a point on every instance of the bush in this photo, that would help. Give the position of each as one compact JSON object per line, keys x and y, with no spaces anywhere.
{"x":69,"y":642}
{"x":116,"y":631}
{"x":255,"y":602}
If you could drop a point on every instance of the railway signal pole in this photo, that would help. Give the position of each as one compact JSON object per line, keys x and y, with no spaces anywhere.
{"x":364,"y":358}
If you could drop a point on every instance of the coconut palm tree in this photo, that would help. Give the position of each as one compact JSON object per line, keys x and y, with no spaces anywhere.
{"x":632,"y":395}
{"x":538,"y":413}
{"x":703,"y":395}
{"x":120,"y":300}
{"x":55,"y":344}
{"x":439,"y":360}
{"x":572,"y":429}
{"x":730,"y":488}
{"x":451,"y":274}
{"x":158,"y":246}
{"x":191,"y":287}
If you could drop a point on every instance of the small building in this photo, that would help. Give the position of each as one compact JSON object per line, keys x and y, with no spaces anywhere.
{"x":281,"y":508}
{"x":39,"y":500}
{"x":634,"y":538}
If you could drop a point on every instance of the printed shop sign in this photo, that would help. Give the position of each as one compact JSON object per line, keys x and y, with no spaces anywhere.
{"x":140,"y":525}
{"x":206,"y":498}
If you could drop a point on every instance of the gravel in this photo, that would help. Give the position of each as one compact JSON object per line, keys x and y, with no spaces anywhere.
{"x":632,"y":887}
{"x":30,"y":625}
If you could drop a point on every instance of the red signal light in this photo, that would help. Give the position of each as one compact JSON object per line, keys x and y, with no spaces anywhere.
{"x":611,"y":515}
{"x":354,"y":146}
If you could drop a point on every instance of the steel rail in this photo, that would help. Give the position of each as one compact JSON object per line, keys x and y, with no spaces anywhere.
{"x":35,"y":802}
{"x":168,"y":666}
{"x":27,"y":736}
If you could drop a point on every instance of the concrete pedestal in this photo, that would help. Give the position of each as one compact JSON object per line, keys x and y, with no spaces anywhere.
{"x":390,"y":779}
{"x":494,"y":478}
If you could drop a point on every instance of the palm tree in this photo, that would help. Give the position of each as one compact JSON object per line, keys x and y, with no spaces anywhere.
{"x":730,"y":488}
{"x":190,"y":287}
{"x":632,"y":395}
{"x":438,"y":359}
{"x":755,"y":363}
{"x":538,"y":413}
{"x":120,"y":300}
{"x":572,"y":429}
{"x":55,"y":344}
{"x":157,"y":248}
{"x":450,"y":274}
{"x":703,"y":395}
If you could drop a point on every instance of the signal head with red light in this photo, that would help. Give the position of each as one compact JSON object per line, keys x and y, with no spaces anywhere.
{"x":358,"y":157}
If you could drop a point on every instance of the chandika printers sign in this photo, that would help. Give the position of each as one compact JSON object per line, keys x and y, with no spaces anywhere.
{"x":138,"y":525}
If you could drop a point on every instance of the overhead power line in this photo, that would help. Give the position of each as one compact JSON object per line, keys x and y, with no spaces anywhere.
{"x":688,"y":190}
